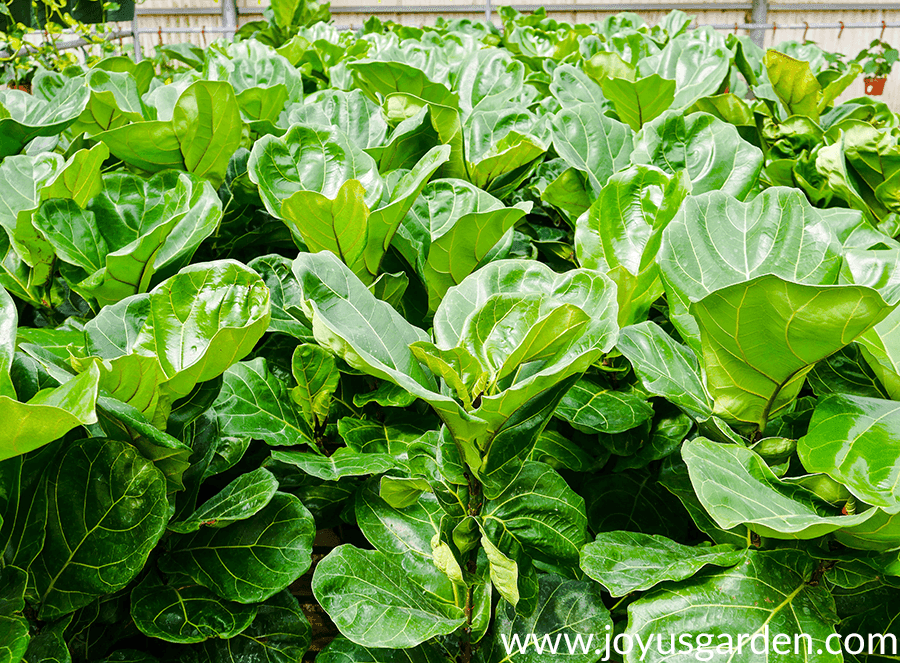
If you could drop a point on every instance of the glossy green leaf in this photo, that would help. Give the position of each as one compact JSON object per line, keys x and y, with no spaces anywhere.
{"x":317,"y":377}
{"x":539,"y":513}
{"x":280,"y":633}
{"x":567,"y":610}
{"x":374,"y":604}
{"x":591,"y":142}
{"x":342,"y":463}
{"x":621,"y":234}
{"x":639,"y":101}
{"x":98,"y":539}
{"x":255,"y":402}
{"x":24,"y":116}
{"x":717,"y":259}
{"x":853,"y":440}
{"x":49,"y":414}
{"x":881,"y":347}
{"x":794,"y":83}
{"x":666,"y":368}
{"x":384,"y":78}
{"x":449,"y":231}
{"x":202,"y":320}
{"x":770,"y":590}
{"x":697,"y":67}
{"x":711,"y":152}
{"x":152,"y":146}
{"x":284,"y":293}
{"x":242,"y":498}
{"x":312,"y":159}
{"x":736,"y":487}
{"x":114,"y":101}
{"x":749,"y":376}
{"x":252,"y":559}
{"x":186,"y":614}
{"x":352,"y":112}
{"x":592,"y":407}
{"x":626,"y":562}
{"x":207,"y":124}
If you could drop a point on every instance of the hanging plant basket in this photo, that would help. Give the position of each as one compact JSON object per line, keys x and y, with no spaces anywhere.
{"x":874,"y":86}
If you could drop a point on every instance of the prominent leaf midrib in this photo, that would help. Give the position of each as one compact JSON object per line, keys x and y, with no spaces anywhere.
{"x":89,"y":532}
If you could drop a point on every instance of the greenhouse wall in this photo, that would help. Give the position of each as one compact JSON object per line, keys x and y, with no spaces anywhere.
{"x":151,"y":15}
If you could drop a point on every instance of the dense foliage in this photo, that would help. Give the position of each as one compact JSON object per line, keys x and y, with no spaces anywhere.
{"x":562,"y":329}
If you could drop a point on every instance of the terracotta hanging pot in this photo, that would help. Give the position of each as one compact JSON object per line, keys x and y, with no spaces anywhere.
{"x":874,"y":86}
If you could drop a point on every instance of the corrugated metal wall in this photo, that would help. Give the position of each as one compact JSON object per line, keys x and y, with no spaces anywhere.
{"x":153,"y":14}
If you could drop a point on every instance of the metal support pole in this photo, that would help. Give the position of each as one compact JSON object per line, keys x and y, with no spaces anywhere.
{"x":487,"y":11}
{"x":760,"y":16}
{"x":136,"y":39}
{"x":229,"y":17}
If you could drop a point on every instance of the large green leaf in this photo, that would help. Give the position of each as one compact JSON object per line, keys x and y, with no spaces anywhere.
{"x":367,"y":332}
{"x":881,"y":347}
{"x":342,"y":650}
{"x":342,"y":463}
{"x":540,"y":514}
{"x":49,"y":413}
{"x":621,"y":234}
{"x":256,"y":403}
{"x":186,"y":614}
{"x":638,"y":102}
{"x":591,"y":142}
{"x":114,"y":101}
{"x":881,"y":531}
{"x":697,"y":67}
{"x":312,"y":159}
{"x":355,"y":114}
{"x":593,"y":407}
{"x":131,"y":230}
{"x":770,"y":593}
{"x":500,"y":145}
{"x":570,"y":618}
{"x":8,"y":319}
{"x":24,"y":116}
{"x":279,"y":634}
{"x":201,"y":321}
{"x":374,"y":604}
{"x":511,"y":313}
{"x":719,"y":263}
{"x":489,"y":79}
{"x":626,"y":562}
{"x":755,"y":371}
{"x":29,"y":180}
{"x":207,"y":124}
{"x":284,"y":294}
{"x":449,"y":230}
{"x":854,"y":440}
{"x":794,"y":84}
{"x":710,"y":151}
{"x":666,"y":368}
{"x":151,"y":146}
{"x":406,"y":535}
{"x":239,"y":500}
{"x":347,"y":227}
{"x":252,"y":559}
{"x":107,"y":510}
{"x":316,"y":373}
{"x":384,"y":78}
{"x":736,"y":487}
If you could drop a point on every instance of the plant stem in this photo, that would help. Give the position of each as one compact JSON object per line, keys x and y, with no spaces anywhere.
{"x":474,"y":510}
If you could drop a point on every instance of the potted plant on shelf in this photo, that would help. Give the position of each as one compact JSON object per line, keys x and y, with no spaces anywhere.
{"x":877,"y":61}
